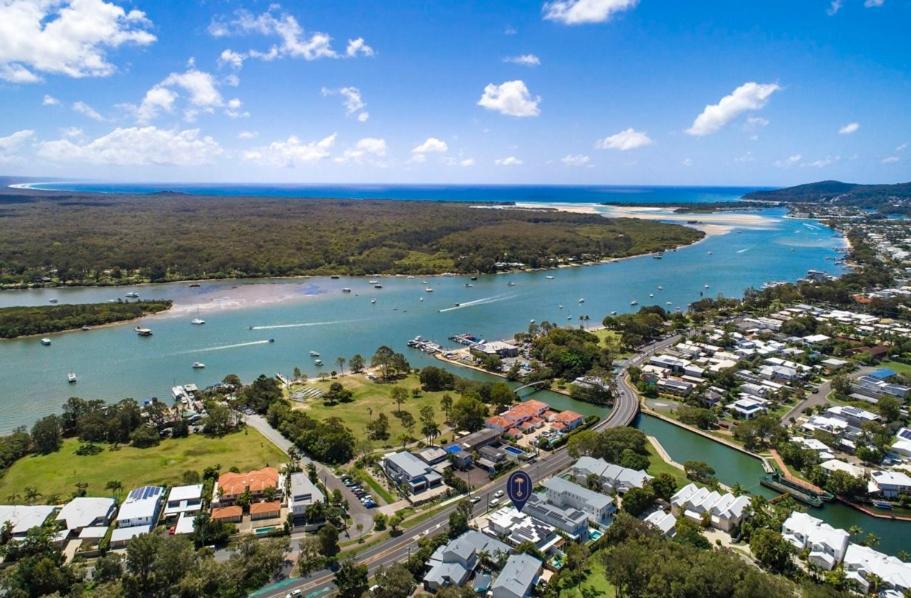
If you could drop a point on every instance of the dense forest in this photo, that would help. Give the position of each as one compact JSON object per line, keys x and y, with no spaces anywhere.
{"x":23,"y":321}
{"x":99,"y":239}
{"x":836,"y":192}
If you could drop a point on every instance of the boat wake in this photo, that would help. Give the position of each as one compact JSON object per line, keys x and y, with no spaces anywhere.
{"x":744,"y":250}
{"x":301,"y":325}
{"x":225,"y":347}
{"x":482,"y":301}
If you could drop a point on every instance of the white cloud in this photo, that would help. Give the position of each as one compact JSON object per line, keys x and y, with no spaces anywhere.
{"x":466,"y":162}
{"x":508,"y":161}
{"x":756,"y":122}
{"x":624,"y":140}
{"x":368,"y":149}
{"x":687,"y":162}
{"x":136,"y":146}
{"x":431,"y":146}
{"x":247,"y":135}
{"x":510,"y":98}
{"x":577,"y":12}
{"x":891,"y":159}
{"x":292,"y":152}
{"x":874,"y":3}
{"x":902,"y":147}
{"x":73,"y":132}
{"x":834,"y":7}
{"x":823,"y":162}
{"x":49,"y":101}
{"x":11,"y":144}
{"x":352,"y":100}
{"x":789,"y":161}
{"x":576,"y":160}
{"x":747,"y":97}
{"x":849,"y":128}
{"x":233,"y":109}
{"x":156,"y":100}
{"x":358,"y":46}
{"x":524,"y":60}
{"x":293,"y":41}
{"x":201,"y":91}
{"x":86,"y":110}
{"x":65,"y":37}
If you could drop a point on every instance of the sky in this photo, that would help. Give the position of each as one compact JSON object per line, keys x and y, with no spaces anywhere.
{"x":650,"y":92}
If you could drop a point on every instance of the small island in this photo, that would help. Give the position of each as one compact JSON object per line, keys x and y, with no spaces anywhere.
{"x":42,"y":319}
{"x":63,"y":239}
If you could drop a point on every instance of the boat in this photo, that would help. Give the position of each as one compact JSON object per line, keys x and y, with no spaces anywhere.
{"x":882,"y":504}
{"x":198,"y":365}
{"x":428,"y":290}
{"x":346,"y":290}
{"x":334,"y":277}
{"x":52,"y":300}
{"x":194,"y":285}
{"x":560,"y":306}
{"x":314,"y":354}
{"x":86,"y":327}
{"x":318,"y":362}
{"x":457,"y":305}
{"x":668,"y":303}
{"x":581,"y":300}
{"x":531,"y":321}
{"x":613,"y":313}
{"x":46,"y":341}
{"x":658,"y":256}
{"x":271,"y":340}
{"x":132,"y":295}
{"x":474,"y":278}
{"x":197,"y":321}
{"x":651,"y":294}
{"x":373,"y":301}
{"x":373,"y":281}
{"x":377,"y":286}
{"x":71,"y":377}
{"x":660,"y":288}
{"x":422,"y":299}
{"x":549,"y":277}
{"x":511,"y":284}
{"x":143,"y":331}
{"x":468,"y":285}
{"x":634,"y":302}
{"x":805,"y":495}
{"x":709,"y":252}
{"x":706,"y":285}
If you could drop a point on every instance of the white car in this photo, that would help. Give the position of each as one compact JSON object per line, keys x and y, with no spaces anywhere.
{"x":494,"y":502}
{"x":498,"y":494}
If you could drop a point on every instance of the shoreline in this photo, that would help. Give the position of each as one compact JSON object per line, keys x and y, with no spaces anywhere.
{"x":90,"y":327}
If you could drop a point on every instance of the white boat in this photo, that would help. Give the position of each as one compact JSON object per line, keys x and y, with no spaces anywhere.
{"x":582,"y":300}
{"x":511,"y":284}
{"x":143,"y":331}
{"x":46,"y":341}
{"x":132,"y":295}
{"x":634,"y":302}
{"x":613,"y":313}
{"x":660,"y":288}
{"x":422,"y":299}
{"x":651,"y":294}
{"x":428,"y":290}
{"x":668,"y":303}
{"x":314,"y":354}
{"x":374,"y":281}
{"x":373,"y":301}
{"x":71,"y":377}
{"x":52,"y":300}
{"x":531,"y":321}
{"x":706,"y":285}
{"x":197,"y":321}
{"x":318,"y":362}
{"x":198,"y":365}
{"x":548,"y":277}
{"x":561,"y":307}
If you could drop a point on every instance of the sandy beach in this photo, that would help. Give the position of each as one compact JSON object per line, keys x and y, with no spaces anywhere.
{"x":710,"y":223}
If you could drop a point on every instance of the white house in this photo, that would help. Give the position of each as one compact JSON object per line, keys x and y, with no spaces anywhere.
{"x":889,"y":484}
{"x":87,"y":511}
{"x":140,"y":507}
{"x":563,"y":493}
{"x":410,"y":472}
{"x":827,"y":545}
{"x":303,"y":494}
{"x":724,"y":511}
{"x":518,"y":527}
{"x":748,"y":407}
{"x":664,"y":522}
{"x":184,"y":499}
{"x":453,"y":563}
{"x":619,"y":479}
{"x":23,"y":518}
{"x":862,"y":562}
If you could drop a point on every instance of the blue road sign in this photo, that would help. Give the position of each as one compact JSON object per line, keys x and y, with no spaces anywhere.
{"x":519,"y":488}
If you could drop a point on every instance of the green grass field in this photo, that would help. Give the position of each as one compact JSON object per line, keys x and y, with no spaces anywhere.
{"x":371,"y":399}
{"x":902,"y":368}
{"x":595,"y":583}
{"x":58,"y":473}
{"x":658,"y":465}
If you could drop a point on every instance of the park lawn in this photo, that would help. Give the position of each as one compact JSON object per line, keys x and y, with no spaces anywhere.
{"x":611,"y":340}
{"x":659,"y":465}
{"x":58,"y":473}
{"x":901,"y":368}
{"x":372,"y":398}
{"x":594,"y":584}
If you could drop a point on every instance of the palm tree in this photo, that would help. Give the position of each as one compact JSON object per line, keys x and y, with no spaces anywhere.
{"x":31,"y":494}
{"x":340,"y":362}
{"x":114,"y":486}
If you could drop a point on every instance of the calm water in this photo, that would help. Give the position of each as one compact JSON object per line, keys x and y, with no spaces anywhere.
{"x":467,"y":193}
{"x":313,"y":314}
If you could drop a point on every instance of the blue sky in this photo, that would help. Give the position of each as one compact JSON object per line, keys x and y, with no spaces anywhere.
{"x":349,"y":91}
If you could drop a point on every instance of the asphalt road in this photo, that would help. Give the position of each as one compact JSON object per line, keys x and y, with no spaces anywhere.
{"x":818,"y":398}
{"x":626,"y":407}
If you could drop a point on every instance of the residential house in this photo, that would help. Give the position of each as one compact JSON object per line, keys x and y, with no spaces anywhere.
{"x":853,"y":415}
{"x":183,"y":499}
{"x":902,"y":445}
{"x":827,"y":545}
{"x":664,"y":522}
{"x":265,"y":510}
{"x":612,"y":477}
{"x":303,"y":493}
{"x":569,"y":520}
{"x":747,"y":407}
{"x":410,"y":473}
{"x":141,"y":507}
{"x":230,"y":486}
{"x":563,"y":493}
{"x":675,"y":386}
{"x":518,"y":577}
{"x":723,"y":511}
{"x":87,"y":511}
{"x":566,"y":420}
{"x":231,"y":514}
{"x":518,"y":527}
{"x":24,"y":517}
{"x":862,"y":564}
{"x":889,"y":484}
{"x":453,"y":563}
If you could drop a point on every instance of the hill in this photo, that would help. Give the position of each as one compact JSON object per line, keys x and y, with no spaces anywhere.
{"x":92,"y":239}
{"x":837,"y":192}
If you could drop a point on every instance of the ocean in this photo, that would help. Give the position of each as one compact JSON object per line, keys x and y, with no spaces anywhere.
{"x":626,"y":194}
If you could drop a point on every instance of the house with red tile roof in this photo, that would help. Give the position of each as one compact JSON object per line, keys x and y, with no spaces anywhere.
{"x":232,"y":514}
{"x":498,"y":422}
{"x":231,"y":485}
{"x":570,"y":420}
{"x":265,"y":510}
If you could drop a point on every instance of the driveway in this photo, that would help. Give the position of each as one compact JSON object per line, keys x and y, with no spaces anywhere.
{"x":359,"y":513}
{"x":820,"y":397}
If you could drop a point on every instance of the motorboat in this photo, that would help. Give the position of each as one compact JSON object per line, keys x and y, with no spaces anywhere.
{"x":660,"y":288}
{"x":581,"y":300}
{"x":46,"y":342}
{"x":468,"y":285}
{"x":706,"y":285}
{"x":549,"y":277}
{"x":374,"y":282}
{"x":86,"y":327}
{"x":197,"y":321}
{"x":511,"y":284}
{"x":71,"y":377}
{"x":143,"y":331}
{"x":560,"y":306}
{"x":428,"y":290}
{"x":52,"y":300}
{"x":314,"y":354}
{"x":422,"y":299}
{"x":271,"y":340}
{"x":668,"y":303}
{"x":373,"y":301}
{"x":377,"y":286}
{"x":346,"y":290}
{"x":634,"y":302}
{"x":318,"y":362}
{"x":132,"y":295}
{"x":651,"y":294}
{"x":198,"y":365}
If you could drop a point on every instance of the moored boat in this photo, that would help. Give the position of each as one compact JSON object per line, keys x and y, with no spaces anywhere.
{"x":71,"y":377}
{"x":46,"y":341}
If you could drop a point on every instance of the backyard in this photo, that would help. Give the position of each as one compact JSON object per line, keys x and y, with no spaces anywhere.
{"x":594,"y":584}
{"x":55,"y":475}
{"x":372,"y":398}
